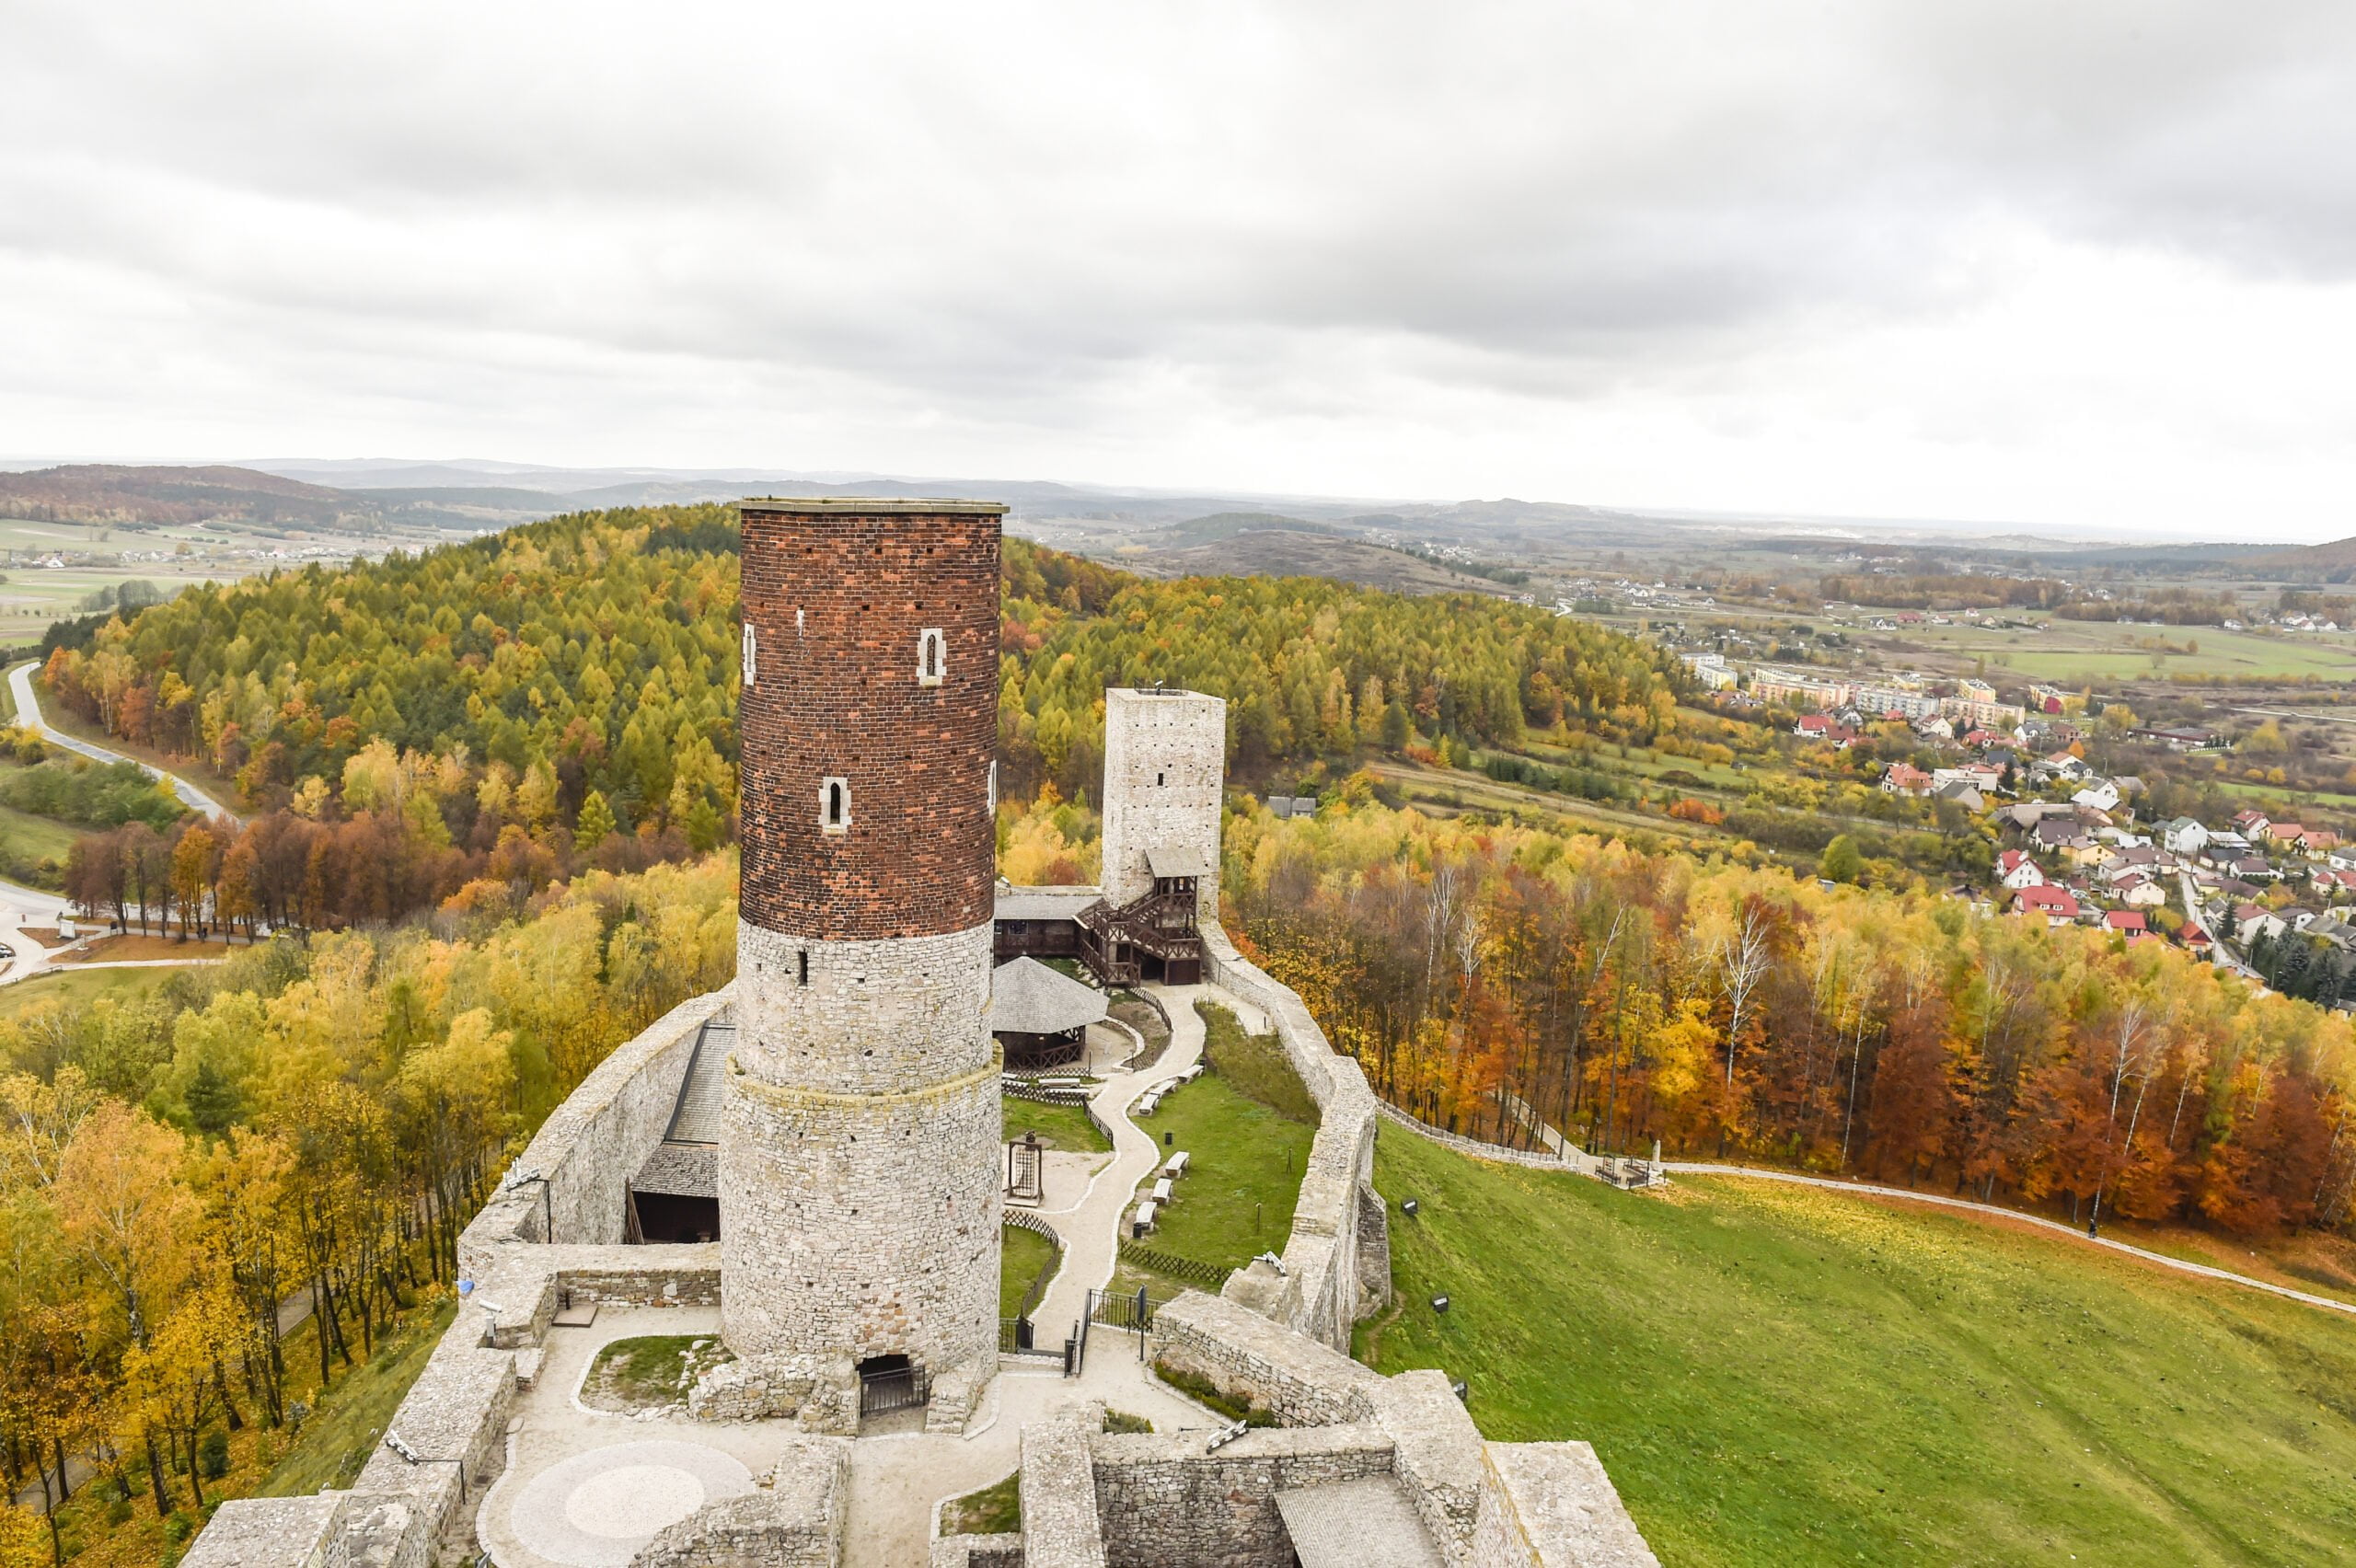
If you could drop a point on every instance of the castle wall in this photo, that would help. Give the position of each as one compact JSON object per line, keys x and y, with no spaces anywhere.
{"x":1162,"y":1502}
{"x":1165,"y":776}
{"x":593,"y":1143}
{"x":1337,"y":1260}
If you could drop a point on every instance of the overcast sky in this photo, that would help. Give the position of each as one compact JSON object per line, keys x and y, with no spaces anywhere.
{"x":2089,"y":263}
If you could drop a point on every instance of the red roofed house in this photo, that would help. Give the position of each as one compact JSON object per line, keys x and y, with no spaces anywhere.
{"x":2017,"y":870}
{"x":2057,"y":904}
{"x":2131,"y":922}
{"x":1905,"y":779}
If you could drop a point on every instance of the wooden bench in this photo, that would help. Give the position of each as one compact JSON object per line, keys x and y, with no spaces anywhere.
{"x":1177,"y":1165}
{"x":1162,"y":1190}
{"x":1142,"y":1221}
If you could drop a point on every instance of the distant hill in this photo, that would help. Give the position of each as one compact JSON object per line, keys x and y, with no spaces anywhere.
{"x":2333,"y":562}
{"x":115,"y":492}
{"x":1309,"y":551}
{"x":1226,"y":525}
{"x":126,"y":495}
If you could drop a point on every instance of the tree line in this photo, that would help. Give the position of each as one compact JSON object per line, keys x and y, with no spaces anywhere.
{"x":1736,"y":1012}
{"x":317,"y":1118}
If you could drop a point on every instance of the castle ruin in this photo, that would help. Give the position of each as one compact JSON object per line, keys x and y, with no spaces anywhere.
{"x":797,"y":1179}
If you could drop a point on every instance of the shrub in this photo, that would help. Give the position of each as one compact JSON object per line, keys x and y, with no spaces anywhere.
{"x":213,"y":1455}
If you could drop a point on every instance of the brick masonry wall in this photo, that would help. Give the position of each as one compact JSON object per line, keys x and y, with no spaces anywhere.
{"x":1165,"y":778}
{"x":838,"y":598}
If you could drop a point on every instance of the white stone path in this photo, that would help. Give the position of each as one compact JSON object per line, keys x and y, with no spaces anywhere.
{"x":897,"y":1481}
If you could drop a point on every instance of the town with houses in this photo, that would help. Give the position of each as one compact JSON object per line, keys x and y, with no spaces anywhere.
{"x":2077,"y":849}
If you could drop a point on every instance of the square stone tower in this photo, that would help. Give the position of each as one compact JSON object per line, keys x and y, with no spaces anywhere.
{"x":858,"y":1185}
{"x":1165,"y":772}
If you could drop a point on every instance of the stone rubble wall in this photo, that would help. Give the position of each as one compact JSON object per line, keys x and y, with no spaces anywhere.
{"x":1535,"y":1159}
{"x":1057,"y":1486}
{"x":1550,"y":1505}
{"x":795,"y":1521}
{"x":271,"y":1532}
{"x":1163,"y":1503}
{"x":1325,"y":1287}
{"x":593,"y":1143}
{"x":976,"y":1552}
{"x":1299,"y":1380}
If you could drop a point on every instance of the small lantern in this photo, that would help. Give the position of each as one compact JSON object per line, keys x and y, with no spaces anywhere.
{"x":1410,"y":1208}
{"x":1463,"y":1390}
{"x":1440,"y":1303}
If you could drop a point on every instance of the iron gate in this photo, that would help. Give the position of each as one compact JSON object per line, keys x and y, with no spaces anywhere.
{"x":883,"y":1389}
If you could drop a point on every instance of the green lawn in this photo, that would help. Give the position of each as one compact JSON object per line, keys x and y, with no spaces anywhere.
{"x":1243,"y":1177}
{"x":2106,"y":651}
{"x":351,"y":1417}
{"x":1064,"y":1126}
{"x":1776,"y":1375}
{"x":1021,"y":1256}
{"x":77,"y":989}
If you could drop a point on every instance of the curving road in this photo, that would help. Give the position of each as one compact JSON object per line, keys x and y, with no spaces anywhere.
{"x":21,"y":682}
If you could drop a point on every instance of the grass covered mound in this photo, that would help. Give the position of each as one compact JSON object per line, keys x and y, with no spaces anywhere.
{"x":346,"y":1423}
{"x":1255,"y":1065}
{"x":649,"y":1372}
{"x":1779,"y":1375}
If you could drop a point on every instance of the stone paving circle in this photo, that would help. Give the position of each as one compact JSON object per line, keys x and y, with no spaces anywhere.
{"x":595,"y":1510}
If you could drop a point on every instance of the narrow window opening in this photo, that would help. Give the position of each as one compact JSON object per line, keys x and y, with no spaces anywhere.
{"x":1159,"y":780}
{"x":931,"y":655}
{"x":834,"y":805}
{"x":750,"y":660}
{"x":804,"y":956}
{"x":993,"y":788}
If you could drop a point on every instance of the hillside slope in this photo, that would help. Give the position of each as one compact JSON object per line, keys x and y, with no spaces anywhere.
{"x":1779,"y":1376}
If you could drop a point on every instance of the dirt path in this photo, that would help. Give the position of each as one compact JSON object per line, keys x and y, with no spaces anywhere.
{"x":2161,"y":1260}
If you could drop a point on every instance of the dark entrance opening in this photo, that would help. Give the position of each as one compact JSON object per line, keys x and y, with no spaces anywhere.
{"x":670,"y":1217}
{"x":887,"y":1383}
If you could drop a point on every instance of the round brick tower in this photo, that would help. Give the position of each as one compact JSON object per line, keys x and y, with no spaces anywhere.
{"x":859,"y":1182}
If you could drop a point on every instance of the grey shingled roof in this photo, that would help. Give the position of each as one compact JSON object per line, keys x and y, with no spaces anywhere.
{"x":1044,"y":902}
{"x":680,"y":1171}
{"x":1028,"y":998}
{"x":1173,"y":863}
{"x":695,"y":1119}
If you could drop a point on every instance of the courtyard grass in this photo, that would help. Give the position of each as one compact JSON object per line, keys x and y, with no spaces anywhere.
{"x":1064,"y":1127}
{"x":995,"y":1509}
{"x":1246,"y":1155}
{"x":1020,"y":1257}
{"x":1779,"y":1375}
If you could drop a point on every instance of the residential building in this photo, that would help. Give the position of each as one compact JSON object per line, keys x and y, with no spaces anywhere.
{"x":2055,"y":906}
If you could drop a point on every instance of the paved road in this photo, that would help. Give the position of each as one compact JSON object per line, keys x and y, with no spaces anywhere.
{"x":2219,"y":953}
{"x":21,"y":682}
